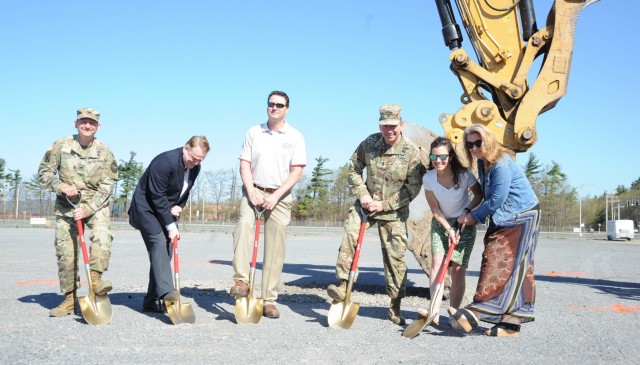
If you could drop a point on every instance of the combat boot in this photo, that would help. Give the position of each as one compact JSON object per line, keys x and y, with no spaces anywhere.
{"x":99,"y":287}
{"x":394,"y":312}
{"x":336,"y":292}
{"x":65,"y":308}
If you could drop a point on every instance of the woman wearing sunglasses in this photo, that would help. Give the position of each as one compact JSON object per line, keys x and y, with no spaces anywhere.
{"x":446,"y":186}
{"x":505,"y":294}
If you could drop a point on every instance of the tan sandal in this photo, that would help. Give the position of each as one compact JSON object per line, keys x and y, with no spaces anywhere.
{"x":503,"y":329}
{"x":464,"y":318}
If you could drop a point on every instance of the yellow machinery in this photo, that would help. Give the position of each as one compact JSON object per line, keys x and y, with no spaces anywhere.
{"x":497,"y":90}
{"x":505,"y":38}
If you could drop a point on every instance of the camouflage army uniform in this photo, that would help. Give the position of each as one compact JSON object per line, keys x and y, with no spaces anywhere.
{"x":394,"y":176}
{"x":93,"y":171}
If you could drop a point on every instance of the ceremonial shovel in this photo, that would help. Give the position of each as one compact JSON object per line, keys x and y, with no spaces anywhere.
{"x":96,"y":309}
{"x":422,"y":321}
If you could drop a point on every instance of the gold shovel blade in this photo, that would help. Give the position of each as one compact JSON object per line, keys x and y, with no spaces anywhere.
{"x":180,"y":312}
{"x":248,"y":309}
{"x":343,"y":314}
{"x":422,"y":321}
{"x":96,"y":309}
{"x":418,"y":325}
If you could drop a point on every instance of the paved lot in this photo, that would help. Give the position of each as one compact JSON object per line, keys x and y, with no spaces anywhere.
{"x":588,"y":305}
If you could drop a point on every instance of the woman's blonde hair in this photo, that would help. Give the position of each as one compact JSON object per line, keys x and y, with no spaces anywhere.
{"x":492,"y":151}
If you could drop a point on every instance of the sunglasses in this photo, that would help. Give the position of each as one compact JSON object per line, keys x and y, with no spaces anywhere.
{"x":476,"y":143}
{"x":433,"y":157}
{"x":277,"y":105}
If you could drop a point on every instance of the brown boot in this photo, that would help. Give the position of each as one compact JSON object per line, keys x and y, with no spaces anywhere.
{"x":270,"y":311}
{"x":99,"y":287}
{"x":394,"y":312}
{"x":65,"y":308}
{"x":336,"y":292}
{"x":240,"y":289}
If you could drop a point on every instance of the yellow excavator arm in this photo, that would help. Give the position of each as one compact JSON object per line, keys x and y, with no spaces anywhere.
{"x":497,"y":91}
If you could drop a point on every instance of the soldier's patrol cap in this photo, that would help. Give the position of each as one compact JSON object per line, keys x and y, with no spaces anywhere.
{"x":390,"y":114}
{"x":88,"y":113}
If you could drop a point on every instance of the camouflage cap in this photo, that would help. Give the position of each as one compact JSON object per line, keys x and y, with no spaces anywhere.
{"x":390,"y":114}
{"x":88,"y":113}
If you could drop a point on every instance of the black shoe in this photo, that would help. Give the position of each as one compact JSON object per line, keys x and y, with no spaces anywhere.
{"x":172,"y":296}
{"x":156,"y":307}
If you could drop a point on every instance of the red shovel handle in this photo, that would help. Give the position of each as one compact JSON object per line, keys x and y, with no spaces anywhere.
{"x":256,"y":239}
{"x":447,"y":259}
{"x":356,"y":255}
{"x":79,"y":224}
{"x":363,"y":227}
{"x":176,"y":261}
{"x":83,"y":243}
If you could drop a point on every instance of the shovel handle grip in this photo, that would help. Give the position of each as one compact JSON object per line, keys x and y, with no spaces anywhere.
{"x":83,"y":243}
{"x":256,"y":240}
{"x":356,"y":255}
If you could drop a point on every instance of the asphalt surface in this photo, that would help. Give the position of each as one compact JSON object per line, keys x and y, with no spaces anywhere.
{"x":587,"y":308}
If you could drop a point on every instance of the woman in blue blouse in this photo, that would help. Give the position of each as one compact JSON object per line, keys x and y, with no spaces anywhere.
{"x":505,"y":294}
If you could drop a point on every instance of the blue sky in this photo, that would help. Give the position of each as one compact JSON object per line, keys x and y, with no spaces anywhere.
{"x":162,"y":71}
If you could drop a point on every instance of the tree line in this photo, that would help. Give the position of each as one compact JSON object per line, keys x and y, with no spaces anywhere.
{"x":322,"y":197}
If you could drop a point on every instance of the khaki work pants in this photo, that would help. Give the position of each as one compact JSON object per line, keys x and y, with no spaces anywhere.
{"x":275,"y":233}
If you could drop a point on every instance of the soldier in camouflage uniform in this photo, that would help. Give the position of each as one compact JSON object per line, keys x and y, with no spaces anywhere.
{"x":80,"y":164}
{"x":394,"y":178}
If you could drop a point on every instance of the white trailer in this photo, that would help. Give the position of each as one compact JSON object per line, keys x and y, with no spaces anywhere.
{"x":622,"y":228}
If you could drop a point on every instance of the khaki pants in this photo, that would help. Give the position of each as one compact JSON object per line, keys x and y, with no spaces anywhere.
{"x":275,"y":233}
{"x":393,"y":242}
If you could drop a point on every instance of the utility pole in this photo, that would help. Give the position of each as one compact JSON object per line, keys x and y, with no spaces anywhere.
{"x":17,"y":196}
{"x":190,"y":204}
{"x":580,"y":209}
{"x":5,"y":192}
{"x":202,"y":194}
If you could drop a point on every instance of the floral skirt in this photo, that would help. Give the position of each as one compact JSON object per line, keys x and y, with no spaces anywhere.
{"x":440,"y":241}
{"x":506,"y":284}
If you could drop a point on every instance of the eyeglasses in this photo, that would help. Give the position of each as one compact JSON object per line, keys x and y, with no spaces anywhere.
{"x":277,"y":105}
{"x":193,"y":158}
{"x":477,"y":143}
{"x":433,"y":157}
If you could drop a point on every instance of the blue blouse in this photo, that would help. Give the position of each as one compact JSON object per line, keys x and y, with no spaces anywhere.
{"x":507,"y":192}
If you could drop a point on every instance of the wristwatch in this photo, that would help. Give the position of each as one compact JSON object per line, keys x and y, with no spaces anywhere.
{"x":467,"y":210}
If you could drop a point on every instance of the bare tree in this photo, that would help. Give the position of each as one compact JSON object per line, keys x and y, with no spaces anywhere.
{"x":217,"y":184}
{"x":42,"y":195}
{"x":235,"y":184}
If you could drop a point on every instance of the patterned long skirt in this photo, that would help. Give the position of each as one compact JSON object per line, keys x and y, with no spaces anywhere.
{"x":506,"y":284}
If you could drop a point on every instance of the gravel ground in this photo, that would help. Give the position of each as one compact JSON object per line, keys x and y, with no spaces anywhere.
{"x":588,"y":304}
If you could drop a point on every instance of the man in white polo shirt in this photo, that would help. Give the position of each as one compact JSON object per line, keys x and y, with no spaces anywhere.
{"x":271,"y":162}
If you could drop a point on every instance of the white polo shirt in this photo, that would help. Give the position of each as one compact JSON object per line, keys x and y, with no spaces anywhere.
{"x":272,"y":153}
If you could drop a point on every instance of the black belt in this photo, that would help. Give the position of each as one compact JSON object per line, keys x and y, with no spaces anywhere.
{"x":266,"y":190}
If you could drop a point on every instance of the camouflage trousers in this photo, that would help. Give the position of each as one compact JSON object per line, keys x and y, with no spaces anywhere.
{"x":68,"y":249}
{"x":393,"y":242}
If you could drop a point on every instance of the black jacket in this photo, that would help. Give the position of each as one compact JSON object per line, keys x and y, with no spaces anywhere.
{"x":158,"y":190}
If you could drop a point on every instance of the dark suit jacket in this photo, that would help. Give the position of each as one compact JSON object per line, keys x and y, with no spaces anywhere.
{"x":158,"y":190}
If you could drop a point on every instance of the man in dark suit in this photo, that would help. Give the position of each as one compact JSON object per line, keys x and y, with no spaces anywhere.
{"x":157,"y":202}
